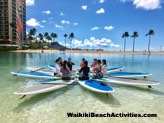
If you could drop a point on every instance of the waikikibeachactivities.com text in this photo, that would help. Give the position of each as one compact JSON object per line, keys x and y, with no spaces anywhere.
{"x":110,"y":63}
{"x":92,"y":114}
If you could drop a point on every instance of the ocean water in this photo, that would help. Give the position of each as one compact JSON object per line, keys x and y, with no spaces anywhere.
{"x":53,"y":107}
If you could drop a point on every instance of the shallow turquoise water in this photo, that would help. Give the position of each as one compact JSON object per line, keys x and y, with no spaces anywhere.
{"x":52,"y":107}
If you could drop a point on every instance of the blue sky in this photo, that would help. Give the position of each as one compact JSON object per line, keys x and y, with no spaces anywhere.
{"x":99,"y":23}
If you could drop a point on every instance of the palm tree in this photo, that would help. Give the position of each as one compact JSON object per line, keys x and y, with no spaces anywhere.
{"x":65,"y":36}
{"x":49,"y":38}
{"x":46,"y":35}
{"x":40,"y":35}
{"x":41,"y":42}
{"x":125,"y":35}
{"x":71,"y":36}
{"x":32,"y":33}
{"x":54,"y":35}
{"x":134,"y":36}
{"x":150,"y":33}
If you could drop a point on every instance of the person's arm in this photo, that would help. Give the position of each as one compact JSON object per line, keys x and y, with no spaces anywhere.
{"x":95,"y":68}
{"x":73,"y":63}
{"x":92,"y":65}
{"x":80,"y":70}
{"x":102,"y":67}
{"x":81,"y":64}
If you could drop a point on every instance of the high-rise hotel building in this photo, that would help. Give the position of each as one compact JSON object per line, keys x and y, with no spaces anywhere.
{"x":12,"y":22}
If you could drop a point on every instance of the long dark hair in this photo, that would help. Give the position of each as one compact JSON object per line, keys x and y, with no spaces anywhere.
{"x":104,"y":62}
{"x":64,"y":64}
{"x":57,"y":59}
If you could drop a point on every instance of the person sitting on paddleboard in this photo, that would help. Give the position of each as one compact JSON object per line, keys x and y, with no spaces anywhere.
{"x":104,"y":67}
{"x":70,"y":63}
{"x":65,"y":71}
{"x":58,"y":64}
{"x":85,"y":71}
{"x":94,"y":63}
{"x":82,"y":62}
{"x":97,"y":69}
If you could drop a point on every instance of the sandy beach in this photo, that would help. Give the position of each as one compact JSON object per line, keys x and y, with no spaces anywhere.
{"x":89,"y":51}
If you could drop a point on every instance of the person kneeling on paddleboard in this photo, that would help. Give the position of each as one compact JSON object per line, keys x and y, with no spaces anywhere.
{"x":65,"y":71}
{"x":58,"y":65}
{"x":94,"y":64}
{"x":85,"y":71}
{"x":104,"y":67}
{"x":97,"y":69}
{"x":70,"y":64}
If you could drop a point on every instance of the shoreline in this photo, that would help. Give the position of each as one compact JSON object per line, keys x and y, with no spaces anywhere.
{"x":89,"y":51}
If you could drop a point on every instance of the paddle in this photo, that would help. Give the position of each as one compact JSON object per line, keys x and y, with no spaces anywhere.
{"x":60,"y":83}
{"x":37,"y":69}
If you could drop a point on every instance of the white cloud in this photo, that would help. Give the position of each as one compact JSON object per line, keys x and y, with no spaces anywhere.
{"x":145,"y":4}
{"x":100,"y":11}
{"x":34,"y":23}
{"x":108,"y":27}
{"x":84,"y":7}
{"x":47,"y":12}
{"x":101,"y":1}
{"x":114,"y":45}
{"x":93,"y":42}
{"x":43,"y":21}
{"x":61,"y":14}
{"x":30,"y":2}
{"x":65,"y":22}
{"x":95,"y":28}
{"x":59,"y":26}
{"x":75,"y":24}
{"x":77,"y":43}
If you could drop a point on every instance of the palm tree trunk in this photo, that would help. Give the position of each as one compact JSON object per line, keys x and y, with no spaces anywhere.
{"x":65,"y":42}
{"x":71,"y":44}
{"x":133,"y":44}
{"x":149,"y":44}
{"x":124,"y":44}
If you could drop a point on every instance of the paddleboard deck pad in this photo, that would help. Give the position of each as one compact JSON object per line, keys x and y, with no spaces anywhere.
{"x":123,"y":81}
{"x":128,"y":75}
{"x":35,"y":75}
{"x":42,"y":88}
{"x":96,"y":86}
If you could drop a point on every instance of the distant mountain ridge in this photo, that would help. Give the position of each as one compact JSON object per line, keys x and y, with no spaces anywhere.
{"x":58,"y":46}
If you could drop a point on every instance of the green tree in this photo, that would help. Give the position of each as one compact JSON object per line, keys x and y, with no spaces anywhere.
{"x":65,"y":36}
{"x":40,"y":35}
{"x":54,"y":35}
{"x":49,"y":38}
{"x":71,"y":36}
{"x":134,"y":36}
{"x":46,"y":34}
{"x":125,"y":35}
{"x":32,"y":33}
{"x":150,"y":33}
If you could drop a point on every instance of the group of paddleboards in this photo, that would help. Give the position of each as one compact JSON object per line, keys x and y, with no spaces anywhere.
{"x":94,"y":77}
